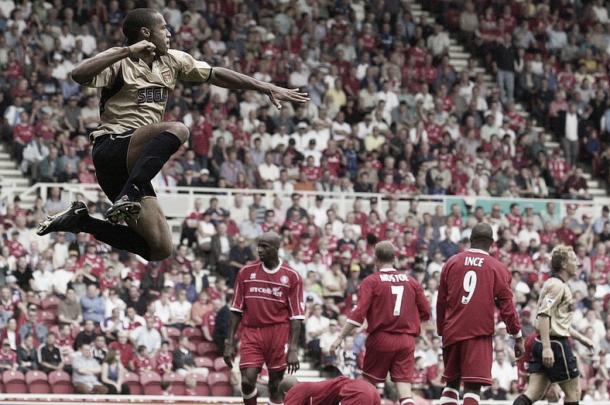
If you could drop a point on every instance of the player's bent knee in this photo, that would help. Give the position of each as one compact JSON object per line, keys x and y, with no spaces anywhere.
{"x":247,"y":387}
{"x":180,"y":130}
{"x":161,"y":252}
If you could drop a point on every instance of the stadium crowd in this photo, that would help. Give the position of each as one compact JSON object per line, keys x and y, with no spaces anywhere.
{"x":388,"y":114}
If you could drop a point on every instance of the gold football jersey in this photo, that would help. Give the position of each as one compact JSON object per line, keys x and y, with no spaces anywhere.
{"x":134,"y":95}
{"x":556,"y":302}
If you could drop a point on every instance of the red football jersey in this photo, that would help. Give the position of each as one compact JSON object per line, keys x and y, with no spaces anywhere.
{"x":330,"y":392}
{"x":268,"y":297}
{"x":391,"y":302}
{"x":472,"y":284}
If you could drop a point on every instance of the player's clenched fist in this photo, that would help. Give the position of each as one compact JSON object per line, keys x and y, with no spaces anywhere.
{"x":142,"y":48}
{"x":548,"y":358}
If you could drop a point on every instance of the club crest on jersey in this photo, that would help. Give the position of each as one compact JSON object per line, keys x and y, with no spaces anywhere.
{"x":284,"y":279}
{"x":167,"y":75}
{"x":252,"y":276}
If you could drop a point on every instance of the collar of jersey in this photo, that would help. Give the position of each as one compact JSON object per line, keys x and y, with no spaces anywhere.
{"x":271,"y":271}
{"x":478,"y":251}
{"x":386,"y":269}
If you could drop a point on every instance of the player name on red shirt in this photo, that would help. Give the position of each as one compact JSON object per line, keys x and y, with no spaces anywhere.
{"x":471,"y":282}
{"x":391,"y":302}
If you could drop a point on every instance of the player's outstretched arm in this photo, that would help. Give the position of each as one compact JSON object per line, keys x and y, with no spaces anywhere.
{"x":347,"y":330}
{"x":85,"y":71}
{"x":229,"y":353}
{"x":231,"y":79}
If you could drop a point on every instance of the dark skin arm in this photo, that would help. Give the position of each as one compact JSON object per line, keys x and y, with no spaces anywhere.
{"x":229,"y":354}
{"x":230,"y":79}
{"x":293,"y":346}
{"x":89,"y":68}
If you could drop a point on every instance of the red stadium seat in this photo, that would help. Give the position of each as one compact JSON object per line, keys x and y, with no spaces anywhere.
{"x":176,"y":381}
{"x":37,"y":382}
{"x":204,"y":362}
{"x":60,"y":383}
{"x":194,"y":334}
{"x":50,"y":303}
{"x":220,"y":365}
{"x":202,"y":388}
{"x":151,"y":383}
{"x":14,"y":382}
{"x":191,"y":347}
{"x":173,"y":333}
{"x":207,"y":349}
{"x":133,"y":382}
{"x":220,"y":385}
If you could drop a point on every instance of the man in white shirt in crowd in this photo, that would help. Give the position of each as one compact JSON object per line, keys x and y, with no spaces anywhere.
{"x":147,"y":335}
{"x":570,"y":139}
{"x":528,"y":233}
{"x":503,"y":370}
{"x":180,"y":311}
{"x":268,"y":171}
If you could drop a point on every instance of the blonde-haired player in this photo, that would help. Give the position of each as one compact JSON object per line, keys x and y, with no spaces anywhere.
{"x":552,"y":360}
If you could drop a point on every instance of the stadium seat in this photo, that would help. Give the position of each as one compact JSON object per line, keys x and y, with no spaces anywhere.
{"x":207,"y":349}
{"x":176,"y":381}
{"x":50,"y":303}
{"x":202,"y":388}
{"x":60,"y":382}
{"x":151,"y":383}
{"x":206,"y":362}
{"x":14,"y":382}
{"x":37,"y":382}
{"x":194,"y":334}
{"x":133,"y":382}
{"x":220,"y":385}
{"x":220,"y":365}
{"x":173,"y":333}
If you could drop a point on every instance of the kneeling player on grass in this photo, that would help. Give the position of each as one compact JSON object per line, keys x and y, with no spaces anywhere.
{"x":131,"y":145}
{"x":552,"y":359}
{"x":339,"y":390}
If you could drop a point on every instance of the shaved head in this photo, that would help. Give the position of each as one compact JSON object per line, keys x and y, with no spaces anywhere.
{"x":482,"y":236}
{"x":270,"y":238}
{"x":384,"y":252}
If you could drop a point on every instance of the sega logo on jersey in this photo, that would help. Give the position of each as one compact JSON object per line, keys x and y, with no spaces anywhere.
{"x":152,"y":95}
{"x":275,"y":291}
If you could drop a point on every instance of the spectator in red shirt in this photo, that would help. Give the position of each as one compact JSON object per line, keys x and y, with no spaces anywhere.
{"x":124,"y":347}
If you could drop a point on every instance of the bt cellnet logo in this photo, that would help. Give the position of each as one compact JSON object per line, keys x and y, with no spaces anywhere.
{"x":275,"y":291}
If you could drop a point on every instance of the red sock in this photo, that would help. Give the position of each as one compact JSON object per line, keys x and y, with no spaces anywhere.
{"x":471,"y":399}
{"x":250,"y":399}
{"x":449,"y":396}
{"x":406,"y":401}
